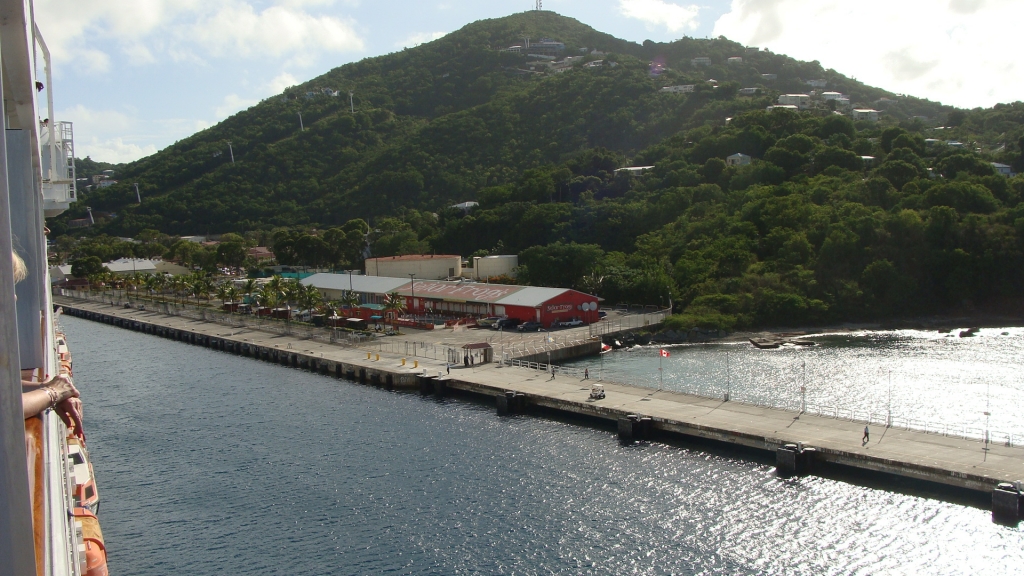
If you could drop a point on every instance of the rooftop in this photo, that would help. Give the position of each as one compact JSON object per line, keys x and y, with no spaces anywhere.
{"x":414,"y":257}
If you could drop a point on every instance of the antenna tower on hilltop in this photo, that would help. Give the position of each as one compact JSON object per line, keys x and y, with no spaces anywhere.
{"x":540,"y":5}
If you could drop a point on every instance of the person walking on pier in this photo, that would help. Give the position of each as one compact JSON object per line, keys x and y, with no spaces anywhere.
{"x":586,"y":373}
{"x":866,"y":437}
{"x":552,"y":372}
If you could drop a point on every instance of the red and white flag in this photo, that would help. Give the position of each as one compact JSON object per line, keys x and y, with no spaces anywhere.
{"x":664,"y":353}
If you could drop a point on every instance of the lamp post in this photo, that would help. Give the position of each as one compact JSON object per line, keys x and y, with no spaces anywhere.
{"x":412,"y":278}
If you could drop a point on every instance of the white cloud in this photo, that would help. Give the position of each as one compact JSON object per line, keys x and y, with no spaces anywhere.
{"x":181,"y":28}
{"x":114,"y":150}
{"x":280,"y":82}
{"x":233,"y":103}
{"x":959,"y":52}
{"x":239,"y":30}
{"x":674,"y":17}
{"x":90,"y":122}
{"x":418,"y":38}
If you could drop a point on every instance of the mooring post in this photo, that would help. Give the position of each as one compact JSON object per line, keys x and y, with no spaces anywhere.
{"x":1006,"y":501}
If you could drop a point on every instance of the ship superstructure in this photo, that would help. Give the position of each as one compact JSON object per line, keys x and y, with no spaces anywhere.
{"x":48,"y":495}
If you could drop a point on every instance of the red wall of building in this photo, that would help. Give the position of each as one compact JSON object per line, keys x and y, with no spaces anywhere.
{"x":566,"y":307}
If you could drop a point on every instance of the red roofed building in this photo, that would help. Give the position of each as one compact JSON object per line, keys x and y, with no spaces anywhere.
{"x":462,"y":299}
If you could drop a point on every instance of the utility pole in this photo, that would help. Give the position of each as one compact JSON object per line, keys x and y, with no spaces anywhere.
{"x":232,"y":150}
{"x":301,"y":127}
{"x":728,"y":377}
{"x":803,"y":388}
{"x":412,"y":277}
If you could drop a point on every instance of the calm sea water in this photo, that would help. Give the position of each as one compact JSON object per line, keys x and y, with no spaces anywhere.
{"x":939,"y":380}
{"x":212,"y":464}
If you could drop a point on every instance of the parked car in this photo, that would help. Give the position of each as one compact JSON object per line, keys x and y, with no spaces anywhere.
{"x":506,"y":323}
{"x":573,"y":322}
{"x":601,"y":313}
{"x":530,"y":327}
{"x":487,"y":322}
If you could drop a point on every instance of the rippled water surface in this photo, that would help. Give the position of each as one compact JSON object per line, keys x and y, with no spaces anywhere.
{"x":212,"y":464}
{"x":941,"y":381}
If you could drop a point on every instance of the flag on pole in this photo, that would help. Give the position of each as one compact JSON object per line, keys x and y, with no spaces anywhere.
{"x":664,"y":353}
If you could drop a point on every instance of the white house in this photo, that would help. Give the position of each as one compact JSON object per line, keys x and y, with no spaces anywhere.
{"x":1003,"y":169}
{"x":817,"y":83}
{"x":683,"y":89}
{"x":843,"y":102}
{"x":635,"y":170}
{"x":738,"y":159}
{"x":769,"y":77}
{"x":782,"y":107}
{"x":801,"y":101}
{"x":831,"y":95}
{"x":701,"y":61}
{"x":735,"y":60}
{"x":748,"y":91}
{"x":865,"y":114}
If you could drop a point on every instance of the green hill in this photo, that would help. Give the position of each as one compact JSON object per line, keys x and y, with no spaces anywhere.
{"x":809,"y":231}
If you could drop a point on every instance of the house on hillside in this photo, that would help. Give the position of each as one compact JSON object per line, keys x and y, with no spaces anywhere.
{"x":466,"y":206}
{"x":1003,"y":169}
{"x":634,"y":170}
{"x":751,"y":50}
{"x":769,"y":77}
{"x":701,"y":61}
{"x":867,"y":114}
{"x":735,"y":60}
{"x":821,"y":83}
{"x":749,"y":91}
{"x":801,"y":101}
{"x":682,"y":89}
{"x":738,"y":159}
{"x":260,"y":254}
{"x":783,"y":107}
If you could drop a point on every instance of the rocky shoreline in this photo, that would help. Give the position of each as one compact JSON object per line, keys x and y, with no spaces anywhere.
{"x":964,"y":326}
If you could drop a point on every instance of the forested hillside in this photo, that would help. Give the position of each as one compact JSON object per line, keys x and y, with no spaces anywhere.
{"x":809,"y":231}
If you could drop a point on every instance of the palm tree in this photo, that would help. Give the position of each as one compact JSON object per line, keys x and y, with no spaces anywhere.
{"x":310,"y":298}
{"x":395,"y":304}
{"x":250,"y":287}
{"x":351,"y":300}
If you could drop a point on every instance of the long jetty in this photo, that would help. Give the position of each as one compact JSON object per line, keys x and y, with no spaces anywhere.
{"x":800,"y":442}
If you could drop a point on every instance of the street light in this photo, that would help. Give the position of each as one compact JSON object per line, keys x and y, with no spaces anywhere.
{"x":412,"y":278}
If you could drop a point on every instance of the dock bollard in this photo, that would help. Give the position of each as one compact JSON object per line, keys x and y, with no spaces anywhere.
{"x":795,"y":459}
{"x":367,"y":355}
{"x":426,"y":384}
{"x":377,"y":359}
{"x":415,"y":363}
{"x":1006,"y":502}
{"x":403,"y":361}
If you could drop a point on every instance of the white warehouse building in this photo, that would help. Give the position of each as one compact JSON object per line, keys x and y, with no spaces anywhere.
{"x":425,"y":266}
{"x":485,"y":267}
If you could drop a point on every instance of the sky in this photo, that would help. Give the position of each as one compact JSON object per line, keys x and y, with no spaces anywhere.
{"x":138,"y":75}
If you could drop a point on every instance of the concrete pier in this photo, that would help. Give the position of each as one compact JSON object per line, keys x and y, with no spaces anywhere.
{"x":800,"y":442}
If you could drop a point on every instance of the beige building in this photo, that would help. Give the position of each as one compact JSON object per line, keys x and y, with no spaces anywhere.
{"x":425,"y":266}
{"x":490,"y":266}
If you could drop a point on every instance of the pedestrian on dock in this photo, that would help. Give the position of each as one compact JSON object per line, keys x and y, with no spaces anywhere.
{"x":552,"y":373}
{"x":586,"y":373}
{"x":448,"y":367}
{"x":866,"y":437}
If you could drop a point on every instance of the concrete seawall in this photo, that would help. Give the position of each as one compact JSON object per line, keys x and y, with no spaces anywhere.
{"x":799,"y":441}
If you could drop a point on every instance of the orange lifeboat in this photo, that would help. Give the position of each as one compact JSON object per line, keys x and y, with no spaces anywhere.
{"x":95,"y":549}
